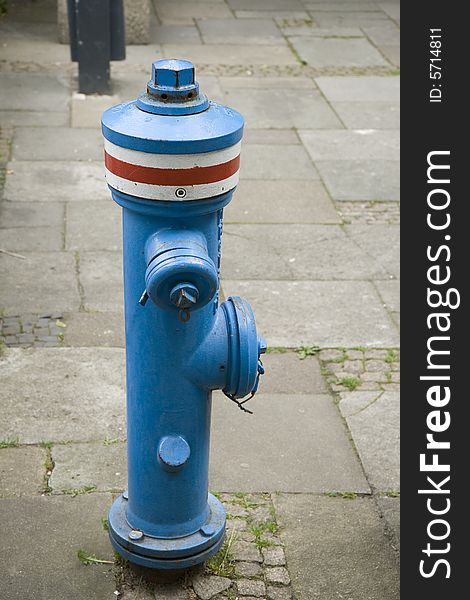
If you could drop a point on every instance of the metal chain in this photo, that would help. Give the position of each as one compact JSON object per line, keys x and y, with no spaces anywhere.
{"x":252,"y":394}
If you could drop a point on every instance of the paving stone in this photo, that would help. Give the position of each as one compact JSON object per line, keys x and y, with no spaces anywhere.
{"x":337,"y":18}
{"x":41,"y":53}
{"x":51,"y":273}
{"x":364,"y":144}
{"x":337,"y":52}
{"x":331,"y":354}
{"x":183,"y":13}
{"x":378,"y":115}
{"x":102,"y":329}
{"x":86,"y":111}
{"x":287,"y":137}
{"x":283,"y":108}
{"x":303,"y":252}
{"x":55,"y":181}
{"x":308,"y":29}
{"x":103,"y":234}
{"x":380,"y":241}
{"x":287,"y":373}
{"x":101,"y":464}
{"x":390,"y":508}
{"x":29,"y":239}
{"x":44,"y":406}
{"x":277,"y":575}
{"x":31,"y":214}
{"x":53,"y":529}
{"x":363,"y":88}
{"x":383,"y":33}
{"x":392,"y":53}
{"x":50,"y":93}
{"x":249,"y":569}
{"x":392,"y":9}
{"x":234,"y":31}
{"x":57,"y":144}
{"x":250,"y":587}
{"x":273,"y":14}
{"x":169,"y":591}
{"x":288,"y":201}
{"x":374,"y":426}
{"x":317,"y":313}
{"x":169,"y":34}
{"x":279,"y":593}
{"x":274,"y":557}
{"x":93,"y":267}
{"x":290,"y":5}
{"x":241,"y":445}
{"x":390,"y":293}
{"x":207,"y":587}
{"x":349,"y":556}
{"x":262,"y":83}
{"x":232,"y":54}
{"x":344,"y":7}
{"x":246,"y":551}
{"x":260,"y":161}
{"x":29,"y":118}
{"x":21,"y":471}
{"x":360,"y":180}
{"x":375,"y":365}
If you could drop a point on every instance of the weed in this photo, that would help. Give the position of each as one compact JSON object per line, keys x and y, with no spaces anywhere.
{"x":392,"y":494}
{"x":11,"y":443}
{"x":109,"y":441}
{"x":277,"y":350}
{"x":305,"y":351}
{"x":91,"y":559}
{"x":223,"y":563}
{"x":260,"y":529}
{"x":86,"y":489}
{"x":346,"y":495}
{"x":242,"y":500}
{"x":349,"y":382}
{"x":391,"y":357}
{"x":105,"y":524}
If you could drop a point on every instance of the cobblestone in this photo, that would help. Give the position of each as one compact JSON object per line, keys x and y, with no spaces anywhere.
{"x":27,"y":331}
{"x":361,"y":369}
{"x":277,"y":575}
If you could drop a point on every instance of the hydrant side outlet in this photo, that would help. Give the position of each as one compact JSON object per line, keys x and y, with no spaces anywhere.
{"x":172,"y":160}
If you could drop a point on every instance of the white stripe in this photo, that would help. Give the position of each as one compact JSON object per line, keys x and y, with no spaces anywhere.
{"x":167,"y":192}
{"x":172,"y":161}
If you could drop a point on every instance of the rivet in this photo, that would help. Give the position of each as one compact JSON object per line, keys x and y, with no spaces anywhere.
{"x":135,"y":534}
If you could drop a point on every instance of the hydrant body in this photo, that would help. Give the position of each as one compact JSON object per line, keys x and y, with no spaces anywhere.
{"x":172,"y":161}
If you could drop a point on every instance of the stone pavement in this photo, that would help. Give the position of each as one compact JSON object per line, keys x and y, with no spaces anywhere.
{"x":311,"y":480}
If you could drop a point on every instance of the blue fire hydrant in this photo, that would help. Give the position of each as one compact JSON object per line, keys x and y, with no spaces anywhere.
{"x":172,"y":162}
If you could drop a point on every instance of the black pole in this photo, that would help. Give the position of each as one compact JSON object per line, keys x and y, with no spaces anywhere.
{"x":96,"y":37}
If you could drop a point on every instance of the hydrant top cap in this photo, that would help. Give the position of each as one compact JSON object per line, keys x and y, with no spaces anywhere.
{"x":173,"y":90}
{"x":172,"y":116}
{"x":173,"y":73}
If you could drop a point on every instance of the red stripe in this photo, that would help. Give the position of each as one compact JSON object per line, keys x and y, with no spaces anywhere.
{"x":155,"y":176}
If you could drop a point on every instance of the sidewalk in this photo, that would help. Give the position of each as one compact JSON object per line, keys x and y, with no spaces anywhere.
{"x":310,"y":482}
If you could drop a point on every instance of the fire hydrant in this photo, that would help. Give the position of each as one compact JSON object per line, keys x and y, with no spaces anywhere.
{"x":172,"y":162}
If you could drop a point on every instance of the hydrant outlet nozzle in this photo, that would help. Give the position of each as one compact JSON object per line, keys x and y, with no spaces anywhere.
{"x":184,"y":295}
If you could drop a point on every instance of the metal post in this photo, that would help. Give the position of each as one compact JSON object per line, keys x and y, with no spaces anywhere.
{"x":96,"y":29}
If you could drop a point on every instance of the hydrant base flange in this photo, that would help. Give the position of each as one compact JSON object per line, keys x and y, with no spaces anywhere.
{"x":173,"y":553}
